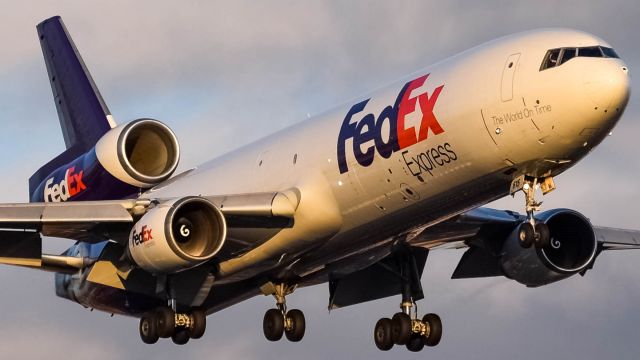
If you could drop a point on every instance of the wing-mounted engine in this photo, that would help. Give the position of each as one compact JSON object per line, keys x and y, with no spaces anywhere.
{"x":177,"y":235}
{"x":572,"y":248}
{"x":129,"y":157}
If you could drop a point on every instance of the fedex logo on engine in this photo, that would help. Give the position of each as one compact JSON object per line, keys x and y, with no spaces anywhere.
{"x":401,"y":134}
{"x":70,"y":186}
{"x":139,"y":238}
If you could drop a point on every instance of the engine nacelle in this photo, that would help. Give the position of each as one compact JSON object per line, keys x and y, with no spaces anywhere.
{"x":572,"y":248}
{"x":142,"y":153}
{"x":177,"y":235}
{"x":129,"y":157}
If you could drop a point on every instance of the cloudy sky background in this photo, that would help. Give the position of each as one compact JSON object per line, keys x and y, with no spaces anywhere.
{"x":222,"y":74}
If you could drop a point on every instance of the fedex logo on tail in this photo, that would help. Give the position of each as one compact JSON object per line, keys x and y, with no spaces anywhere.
{"x":68,"y":187}
{"x":366,"y":133}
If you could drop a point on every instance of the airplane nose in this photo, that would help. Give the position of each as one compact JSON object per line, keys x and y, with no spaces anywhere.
{"x":607,"y":86}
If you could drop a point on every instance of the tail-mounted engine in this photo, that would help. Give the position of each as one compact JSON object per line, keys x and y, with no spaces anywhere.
{"x":142,"y":153}
{"x":128,"y":158}
{"x":571,"y":249}
{"x":177,"y":235}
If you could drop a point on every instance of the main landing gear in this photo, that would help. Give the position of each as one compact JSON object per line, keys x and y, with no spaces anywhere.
{"x":279,"y":321}
{"x":166,"y":323}
{"x":532,"y":232}
{"x":405,"y":327}
{"x":408,"y":330}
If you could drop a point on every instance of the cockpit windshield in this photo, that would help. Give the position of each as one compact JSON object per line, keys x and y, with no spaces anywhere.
{"x":557,"y":57}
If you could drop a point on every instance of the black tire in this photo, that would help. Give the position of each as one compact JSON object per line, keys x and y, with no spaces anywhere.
{"x":526,"y":235}
{"x":382,"y":334}
{"x":273,"y":325}
{"x":298,"y":324}
{"x":435,"y":329}
{"x":148,"y":330}
{"x":543,"y":236}
{"x":401,"y":328}
{"x":199,"y":324}
{"x":166,"y":321}
{"x":416,"y":343}
{"x":180,"y":336}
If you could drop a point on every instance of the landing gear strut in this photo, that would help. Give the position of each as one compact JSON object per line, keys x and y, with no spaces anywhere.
{"x":532,"y":232}
{"x":166,"y":323}
{"x":279,"y":321}
{"x":405,"y":327}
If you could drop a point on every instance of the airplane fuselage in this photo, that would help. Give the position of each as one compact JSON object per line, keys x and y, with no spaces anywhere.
{"x":441,"y":141}
{"x":472,"y":123}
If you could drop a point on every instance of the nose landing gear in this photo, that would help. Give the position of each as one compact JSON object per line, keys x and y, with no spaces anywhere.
{"x":530,"y":231}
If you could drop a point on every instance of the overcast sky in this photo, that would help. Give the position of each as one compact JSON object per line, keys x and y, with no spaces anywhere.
{"x":222,"y":74}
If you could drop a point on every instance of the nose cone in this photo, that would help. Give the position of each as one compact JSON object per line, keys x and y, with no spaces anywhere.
{"x":607,"y":85}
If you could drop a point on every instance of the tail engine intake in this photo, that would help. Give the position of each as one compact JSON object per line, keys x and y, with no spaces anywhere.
{"x":127,"y":159}
{"x":142,"y":153}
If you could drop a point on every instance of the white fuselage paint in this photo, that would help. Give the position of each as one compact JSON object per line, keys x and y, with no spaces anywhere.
{"x":499,"y":112}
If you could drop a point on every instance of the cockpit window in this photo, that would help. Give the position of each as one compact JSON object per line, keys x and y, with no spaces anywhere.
{"x":609,"y":52}
{"x":593,"y":51}
{"x":557,"y":57}
{"x":551,"y":59}
{"x":567,"y":54}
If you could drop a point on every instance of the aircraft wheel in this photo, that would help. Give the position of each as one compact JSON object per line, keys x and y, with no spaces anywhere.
{"x":273,"y":325}
{"x":416,"y":343}
{"x":180,"y":337}
{"x":148,"y":330}
{"x":295,"y":332}
{"x":543,"y":237}
{"x":526,"y":235}
{"x":382,"y":334}
{"x":435,"y":329}
{"x":166,"y":321}
{"x":199,"y":324}
{"x":400,"y":328}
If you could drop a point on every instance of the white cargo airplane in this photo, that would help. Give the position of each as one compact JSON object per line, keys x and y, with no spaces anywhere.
{"x":355,"y":197}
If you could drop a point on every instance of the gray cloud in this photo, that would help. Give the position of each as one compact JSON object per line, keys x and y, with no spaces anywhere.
{"x":237,"y":71}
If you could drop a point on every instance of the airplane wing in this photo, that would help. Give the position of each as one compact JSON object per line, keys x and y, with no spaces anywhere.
{"x":21,"y":225}
{"x":94,"y":221}
{"x":617,"y":239}
{"x":481,"y":224}
{"x":482,"y":231}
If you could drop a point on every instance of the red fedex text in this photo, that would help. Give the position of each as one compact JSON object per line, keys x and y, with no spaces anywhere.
{"x":410,"y":102}
{"x":143,"y":236}
{"x":68,"y":187}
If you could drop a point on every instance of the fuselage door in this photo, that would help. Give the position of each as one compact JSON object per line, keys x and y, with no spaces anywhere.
{"x":508,"y":73}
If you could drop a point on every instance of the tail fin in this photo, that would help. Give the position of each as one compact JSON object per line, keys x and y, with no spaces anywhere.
{"x":84,"y":116}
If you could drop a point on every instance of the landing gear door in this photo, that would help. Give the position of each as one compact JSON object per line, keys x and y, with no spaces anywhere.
{"x":508,"y":73}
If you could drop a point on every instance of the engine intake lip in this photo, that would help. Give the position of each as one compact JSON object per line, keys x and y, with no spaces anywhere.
{"x":206,"y":242}
{"x":160,"y":143}
{"x":568,"y":228}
